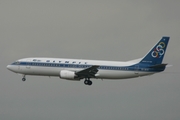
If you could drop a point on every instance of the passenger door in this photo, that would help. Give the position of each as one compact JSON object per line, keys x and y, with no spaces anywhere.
{"x":28,"y":64}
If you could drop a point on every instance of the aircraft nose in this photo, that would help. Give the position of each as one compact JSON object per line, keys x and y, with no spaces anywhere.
{"x":9,"y":67}
{"x":12,"y":68}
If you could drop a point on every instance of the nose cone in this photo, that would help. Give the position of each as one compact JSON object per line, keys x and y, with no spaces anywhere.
{"x":8,"y":67}
{"x":12,"y":68}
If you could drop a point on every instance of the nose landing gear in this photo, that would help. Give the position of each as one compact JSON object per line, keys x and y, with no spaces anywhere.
{"x":24,"y":78}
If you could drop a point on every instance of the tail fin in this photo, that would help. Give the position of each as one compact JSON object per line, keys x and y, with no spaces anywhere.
{"x":156,"y":54}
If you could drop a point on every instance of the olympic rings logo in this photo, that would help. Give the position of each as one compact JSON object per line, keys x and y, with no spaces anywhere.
{"x":158,"y":51}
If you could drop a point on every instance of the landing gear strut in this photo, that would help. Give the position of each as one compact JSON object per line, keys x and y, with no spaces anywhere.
{"x":24,"y":78}
{"x":87,"y":81}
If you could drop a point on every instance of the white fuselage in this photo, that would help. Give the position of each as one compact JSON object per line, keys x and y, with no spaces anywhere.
{"x":53,"y":66}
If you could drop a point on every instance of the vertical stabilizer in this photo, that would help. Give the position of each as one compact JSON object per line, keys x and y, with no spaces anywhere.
{"x":156,"y":54}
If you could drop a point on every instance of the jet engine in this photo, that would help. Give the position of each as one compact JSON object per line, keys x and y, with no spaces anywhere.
{"x":69,"y":75}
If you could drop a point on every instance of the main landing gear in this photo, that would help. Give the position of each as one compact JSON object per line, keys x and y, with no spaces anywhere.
{"x":87,"y":81}
{"x":24,"y":78}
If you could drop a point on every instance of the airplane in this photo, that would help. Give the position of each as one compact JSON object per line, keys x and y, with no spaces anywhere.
{"x":78,"y":69}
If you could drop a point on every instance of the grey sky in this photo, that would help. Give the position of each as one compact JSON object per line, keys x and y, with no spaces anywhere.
{"x":107,"y":30}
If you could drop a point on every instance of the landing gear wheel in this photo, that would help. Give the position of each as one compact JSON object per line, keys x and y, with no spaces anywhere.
{"x":23,"y":79}
{"x":88,"y":82}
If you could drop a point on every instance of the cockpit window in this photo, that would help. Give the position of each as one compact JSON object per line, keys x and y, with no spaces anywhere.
{"x":17,"y":63}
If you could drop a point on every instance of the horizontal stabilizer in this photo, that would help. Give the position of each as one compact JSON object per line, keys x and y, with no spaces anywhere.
{"x":158,"y":66}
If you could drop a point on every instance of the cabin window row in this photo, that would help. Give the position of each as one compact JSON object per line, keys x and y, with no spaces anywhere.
{"x":58,"y":65}
{"x":114,"y":68}
{"x":79,"y":66}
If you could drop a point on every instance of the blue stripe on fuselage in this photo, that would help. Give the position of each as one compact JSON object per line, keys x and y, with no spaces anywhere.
{"x":136,"y":67}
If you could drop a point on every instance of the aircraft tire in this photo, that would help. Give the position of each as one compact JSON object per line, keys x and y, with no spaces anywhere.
{"x":23,"y":79}
{"x":89,"y":82}
{"x":86,"y":82}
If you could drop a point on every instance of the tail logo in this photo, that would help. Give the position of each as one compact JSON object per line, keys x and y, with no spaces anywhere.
{"x":159,"y":50}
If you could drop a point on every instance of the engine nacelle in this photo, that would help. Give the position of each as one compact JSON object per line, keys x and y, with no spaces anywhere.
{"x":70,"y":75}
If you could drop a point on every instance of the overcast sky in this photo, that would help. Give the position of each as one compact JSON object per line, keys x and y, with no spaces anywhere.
{"x":98,"y":29}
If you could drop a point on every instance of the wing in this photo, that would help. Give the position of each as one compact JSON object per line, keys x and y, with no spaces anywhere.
{"x":88,"y":72}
